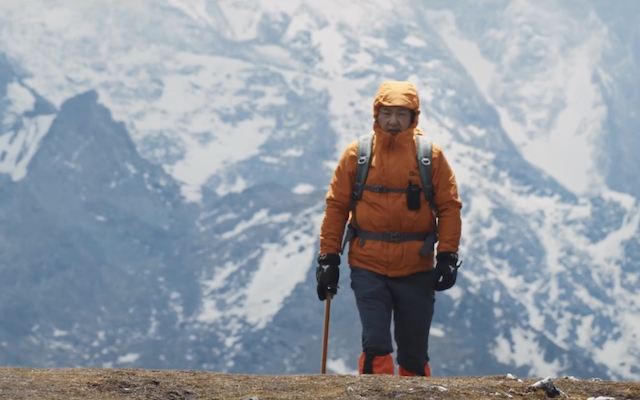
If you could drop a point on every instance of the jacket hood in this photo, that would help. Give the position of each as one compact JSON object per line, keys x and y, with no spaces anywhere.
{"x":397,"y":94}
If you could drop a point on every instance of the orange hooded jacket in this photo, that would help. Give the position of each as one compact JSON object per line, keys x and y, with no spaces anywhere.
{"x":393,"y":165}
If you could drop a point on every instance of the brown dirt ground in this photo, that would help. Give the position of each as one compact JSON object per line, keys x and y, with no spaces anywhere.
{"x":103,"y":384}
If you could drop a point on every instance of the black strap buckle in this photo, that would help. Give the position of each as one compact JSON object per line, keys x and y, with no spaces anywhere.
{"x":393,"y":237}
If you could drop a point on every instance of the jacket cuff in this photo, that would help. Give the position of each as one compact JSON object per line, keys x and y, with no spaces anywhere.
{"x":447,"y":256}
{"x":329,"y":259}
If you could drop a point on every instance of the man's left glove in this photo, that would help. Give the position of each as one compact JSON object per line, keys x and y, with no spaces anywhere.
{"x":327,"y":275}
{"x":447,"y":269}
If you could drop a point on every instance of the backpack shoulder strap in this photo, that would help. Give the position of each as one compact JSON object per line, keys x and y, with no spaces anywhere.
{"x":365,"y":144}
{"x":425,"y":151}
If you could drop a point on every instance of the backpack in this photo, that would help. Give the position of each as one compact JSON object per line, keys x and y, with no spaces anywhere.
{"x":424,"y":152}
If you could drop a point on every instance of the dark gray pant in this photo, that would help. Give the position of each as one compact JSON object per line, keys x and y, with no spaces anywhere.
{"x":411,"y":300}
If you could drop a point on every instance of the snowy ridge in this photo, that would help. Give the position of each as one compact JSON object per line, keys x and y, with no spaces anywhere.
{"x":20,"y":134}
{"x":180,"y":103}
{"x":550,"y":105}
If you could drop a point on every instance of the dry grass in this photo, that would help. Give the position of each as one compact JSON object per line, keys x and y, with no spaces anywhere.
{"x":102,"y":384}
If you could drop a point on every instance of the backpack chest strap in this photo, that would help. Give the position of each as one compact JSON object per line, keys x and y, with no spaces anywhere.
{"x":380,"y":189}
{"x":393,"y":237}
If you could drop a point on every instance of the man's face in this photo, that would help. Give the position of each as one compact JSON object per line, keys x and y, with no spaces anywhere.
{"x":394,"y":119}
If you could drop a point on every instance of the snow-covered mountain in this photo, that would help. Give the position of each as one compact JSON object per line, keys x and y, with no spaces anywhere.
{"x":164,"y":166}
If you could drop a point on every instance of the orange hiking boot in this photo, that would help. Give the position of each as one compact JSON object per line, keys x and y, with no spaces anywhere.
{"x":369,"y":364}
{"x":404,"y":372}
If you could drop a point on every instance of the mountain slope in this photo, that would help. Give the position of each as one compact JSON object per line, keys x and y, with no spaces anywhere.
{"x":85,"y":238}
{"x":171,"y":159}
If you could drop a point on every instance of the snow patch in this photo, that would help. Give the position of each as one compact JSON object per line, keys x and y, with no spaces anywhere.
{"x":455,"y":293}
{"x":202,"y":161}
{"x":261,"y":217}
{"x":436,"y":331}
{"x":609,"y":251}
{"x":225,"y":217}
{"x":18,"y":148}
{"x":616,"y":352}
{"x":21,"y":100}
{"x":237,"y":187}
{"x":293,"y":152}
{"x":414,"y":41}
{"x":479,"y":132}
{"x":339,"y":366}
{"x":524,"y":351}
{"x":283,"y":266}
{"x":220,"y":276}
{"x":196,"y":9}
{"x":58,"y":332}
{"x":128,"y":358}
{"x":303,"y":188}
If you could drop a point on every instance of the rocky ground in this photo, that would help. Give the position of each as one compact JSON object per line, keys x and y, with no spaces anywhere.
{"x":45,"y":384}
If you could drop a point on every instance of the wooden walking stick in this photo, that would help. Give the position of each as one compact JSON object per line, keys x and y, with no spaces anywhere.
{"x":325,"y":337}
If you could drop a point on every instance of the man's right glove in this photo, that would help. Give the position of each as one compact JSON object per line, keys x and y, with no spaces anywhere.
{"x":327,"y":275}
{"x":447,"y":269}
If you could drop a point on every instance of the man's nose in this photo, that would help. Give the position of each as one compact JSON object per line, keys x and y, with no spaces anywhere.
{"x":393,"y":120}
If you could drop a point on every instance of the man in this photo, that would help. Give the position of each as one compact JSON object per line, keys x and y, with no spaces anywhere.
{"x":388,"y":229}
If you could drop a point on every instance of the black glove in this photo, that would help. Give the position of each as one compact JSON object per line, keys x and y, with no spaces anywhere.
{"x":447,"y":270}
{"x":327,"y":275}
